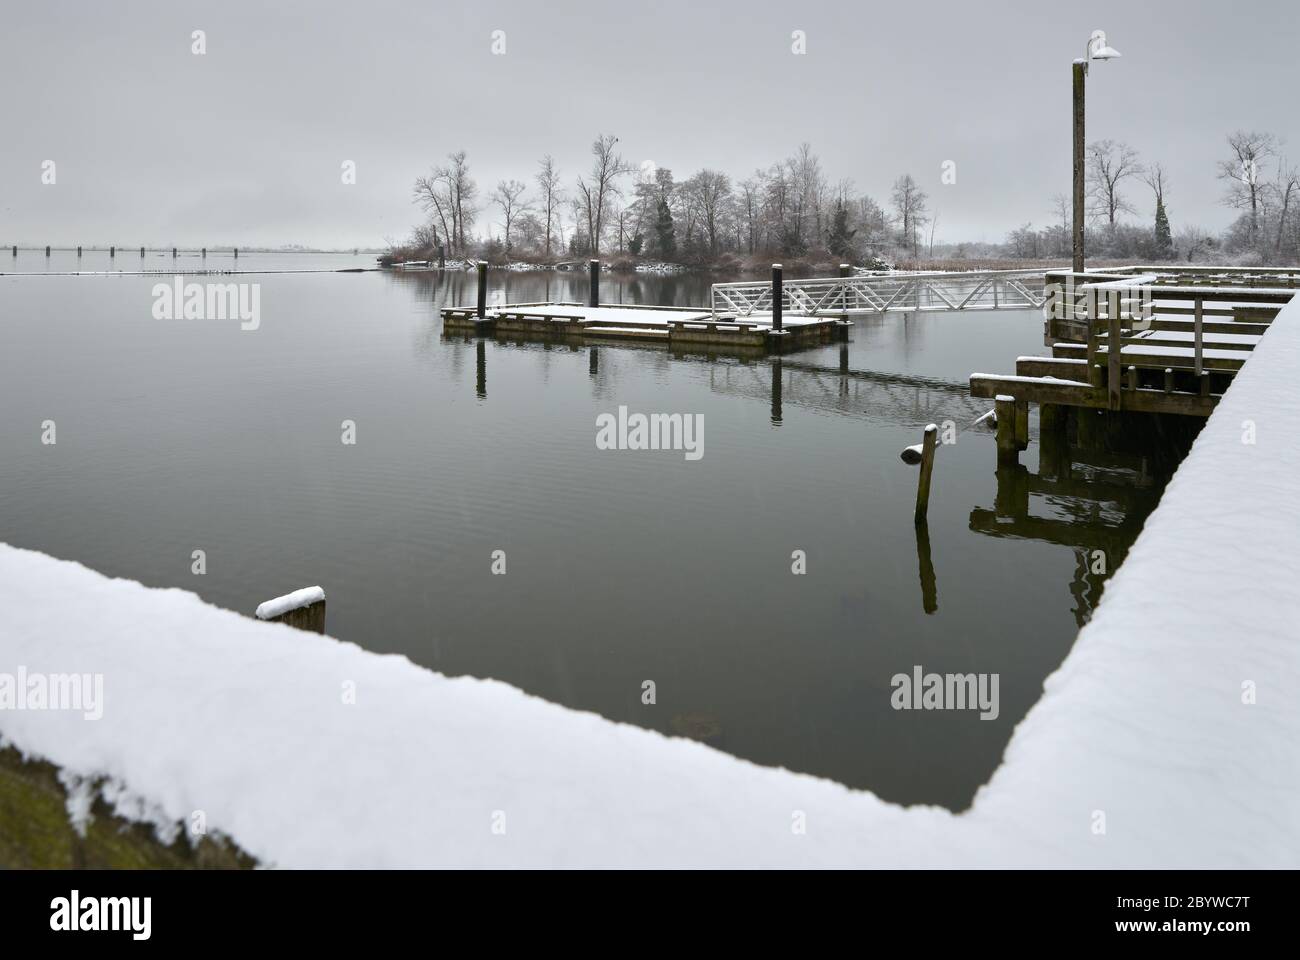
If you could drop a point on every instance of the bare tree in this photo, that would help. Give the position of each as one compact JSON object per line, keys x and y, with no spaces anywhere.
{"x":508,"y":195}
{"x":431,"y":194}
{"x":450,"y":191}
{"x":1109,"y":165}
{"x":709,"y":191}
{"x":910,"y":206}
{"x":1284,"y":190}
{"x":1245,"y":192}
{"x":548,"y":179}
{"x":596,"y":193}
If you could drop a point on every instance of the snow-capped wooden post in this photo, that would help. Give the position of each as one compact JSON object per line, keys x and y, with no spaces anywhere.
{"x":928,"y":444}
{"x":776,"y":296}
{"x":482,"y":290}
{"x":303,"y":609}
{"x":846,"y":271}
{"x":593,"y":284}
{"x":1005,"y":411}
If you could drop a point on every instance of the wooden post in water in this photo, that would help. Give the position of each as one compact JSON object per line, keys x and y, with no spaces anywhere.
{"x":303,"y":609}
{"x":1112,"y":352}
{"x":1022,"y":424}
{"x":928,"y":443}
{"x":776,"y":296}
{"x":112,"y":252}
{"x":593,"y":284}
{"x":205,"y":253}
{"x":846,"y":271}
{"x":15,"y":249}
{"x":1005,"y":410}
{"x":142,"y":252}
{"x":173,"y":253}
{"x":78,"y":251}
{"x":1169,"y":379}
{"x":47,"y":249}
{"x":442,"y":259}
{"x":236,"y":253}
{"x":482,"y":290}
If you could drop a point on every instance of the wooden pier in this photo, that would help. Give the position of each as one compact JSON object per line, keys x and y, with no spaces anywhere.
{"x":1165,"y":340}
{"x":676,"y":326}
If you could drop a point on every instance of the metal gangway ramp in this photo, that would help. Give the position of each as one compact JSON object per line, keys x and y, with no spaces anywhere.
{"x":867,"y":292}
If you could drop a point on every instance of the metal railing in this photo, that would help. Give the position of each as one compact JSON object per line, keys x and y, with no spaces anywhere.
{"x":868,"y":293}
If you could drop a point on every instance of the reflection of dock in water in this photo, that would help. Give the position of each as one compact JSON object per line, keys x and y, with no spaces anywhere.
{"x":1089,"y":499}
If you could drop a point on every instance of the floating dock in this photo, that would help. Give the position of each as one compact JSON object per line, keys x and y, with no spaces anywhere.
{"x":675,"y":326}
{"x":672,"y":325}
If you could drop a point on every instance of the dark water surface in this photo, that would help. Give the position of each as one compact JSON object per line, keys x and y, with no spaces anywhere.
{"x":622,"y":566}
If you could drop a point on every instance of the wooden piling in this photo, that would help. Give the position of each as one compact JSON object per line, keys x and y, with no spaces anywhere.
{"x":928,"y":443}
{"x":142,"y":251}
{"x":482,"y":290}
{"x":205,"y":253}
{"x":302,"y":609}
{"x":1079,"y":71}
{"x":236,"y":253}
{"x":1022,"y":424}
{"x":593,"y":284}
{"x":15,"y":249}
{"x":1005,"y":411}
{"x":1113,"y":357}
{"x":47,"y":250}
{"x":173,"y":253}
{"x":776,"y":296}
{"x":78,"y":251}
{"x":1169,"y":379}
{"x":112,"y":252}
{"x":1132,"y":377}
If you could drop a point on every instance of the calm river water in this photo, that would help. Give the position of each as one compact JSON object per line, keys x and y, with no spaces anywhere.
{"x":622,"y":567}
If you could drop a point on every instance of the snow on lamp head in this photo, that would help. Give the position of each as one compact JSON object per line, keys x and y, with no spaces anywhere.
{"x":1098,"y":49}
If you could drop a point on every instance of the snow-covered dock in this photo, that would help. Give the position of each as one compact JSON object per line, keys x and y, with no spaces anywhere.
{"x":671,"y":325}
{"x":1168,"y":737}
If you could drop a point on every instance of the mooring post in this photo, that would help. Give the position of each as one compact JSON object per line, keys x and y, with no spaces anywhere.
{"x":236,"y":253}
{"x":205,"y":253}
{"x":442,"y":260}
{"x":1169,"y":379}
{"x":78,"y":251}
{"x":482,"y":289}
{"x":112,"y":252}
{"x":47,"y":250}
{"x":1022,"y":424}
{"x":15,"y":249}
{"x":173,"y":253}
{"x":142,"y":251}
{"x":1005,"y":410}
{"x":1113,"y":354}
{"x":846,"y":271}
{"x":776,"y":296}
{"x":303,"y":609}
{"x":593,"y":284}
{"x":928,"y":443}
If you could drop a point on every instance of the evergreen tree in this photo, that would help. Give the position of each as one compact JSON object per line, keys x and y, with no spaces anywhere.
{"x":665,"y":232}
{"x":840,"y":240}
{"x":1164,"y":238}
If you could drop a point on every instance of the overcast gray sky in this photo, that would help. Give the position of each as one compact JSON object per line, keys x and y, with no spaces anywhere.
{"x":244,"y":144}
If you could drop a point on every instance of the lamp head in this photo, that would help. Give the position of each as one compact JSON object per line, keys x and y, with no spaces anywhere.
{"x":1098,"y":49}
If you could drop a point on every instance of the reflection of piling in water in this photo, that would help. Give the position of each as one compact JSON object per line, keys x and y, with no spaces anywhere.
{"x":776,"y":390}
{"x":480,"y":382}
{"x":593,"y":362}
{"x":929,"y":586}
{"x":1053,"y":441}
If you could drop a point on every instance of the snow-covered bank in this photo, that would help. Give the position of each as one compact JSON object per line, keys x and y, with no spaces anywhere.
{"x":311,"y":752}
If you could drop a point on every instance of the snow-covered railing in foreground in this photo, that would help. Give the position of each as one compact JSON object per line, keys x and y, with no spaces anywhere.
{"x":1166,"y":738}
{"x":867,"y":293}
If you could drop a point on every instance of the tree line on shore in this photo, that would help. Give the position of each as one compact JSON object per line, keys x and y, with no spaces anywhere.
{"x":793,"y":211}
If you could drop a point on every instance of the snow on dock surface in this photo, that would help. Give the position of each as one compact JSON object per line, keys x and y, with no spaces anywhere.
{"x":1144,"y":724}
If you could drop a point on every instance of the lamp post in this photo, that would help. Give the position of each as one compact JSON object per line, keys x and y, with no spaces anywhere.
{"x":1097,"y":49}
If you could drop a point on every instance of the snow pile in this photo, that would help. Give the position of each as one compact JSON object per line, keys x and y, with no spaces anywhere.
{"x":1167,"y":738}
{"x":290,"y":601}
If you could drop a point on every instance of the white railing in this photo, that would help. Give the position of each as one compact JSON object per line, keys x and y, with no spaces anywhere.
{"x":866,"y":293}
